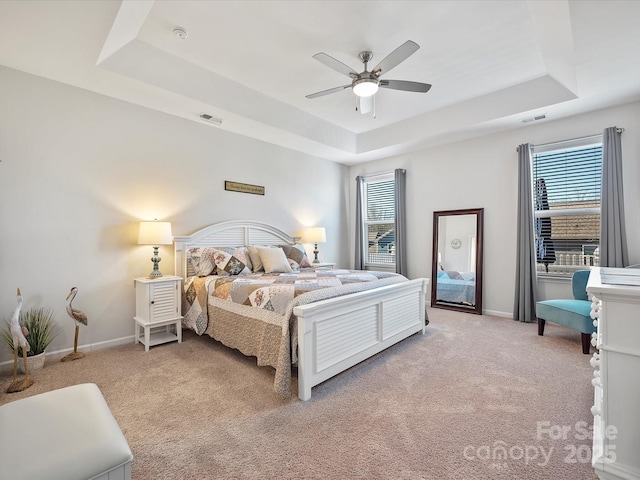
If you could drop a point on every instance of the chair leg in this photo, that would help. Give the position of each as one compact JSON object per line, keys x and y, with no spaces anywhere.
{"x":541,"y":323}
{"x":586,"y":342}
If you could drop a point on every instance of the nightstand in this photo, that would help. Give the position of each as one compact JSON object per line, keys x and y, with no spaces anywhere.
{"x":158,"y":310}
{"x":324,"y":265}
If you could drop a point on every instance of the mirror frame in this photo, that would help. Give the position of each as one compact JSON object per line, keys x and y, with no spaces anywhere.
{"x":479,"y":213}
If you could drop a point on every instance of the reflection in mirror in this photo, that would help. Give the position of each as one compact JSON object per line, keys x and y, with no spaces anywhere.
{"x":457,"y":260}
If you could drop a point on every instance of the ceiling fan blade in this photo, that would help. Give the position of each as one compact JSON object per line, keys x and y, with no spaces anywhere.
{"x":396,"y":57}
{"x":327,"y":92}
{"x":365,"y":104}
{"x":337,"y":65}
{"x":404,"y":85}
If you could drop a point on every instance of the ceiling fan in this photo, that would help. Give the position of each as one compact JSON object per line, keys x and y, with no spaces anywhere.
{"x":366,"y":83}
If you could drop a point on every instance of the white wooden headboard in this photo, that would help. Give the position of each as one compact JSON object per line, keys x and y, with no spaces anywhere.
{"x":234,"y":233}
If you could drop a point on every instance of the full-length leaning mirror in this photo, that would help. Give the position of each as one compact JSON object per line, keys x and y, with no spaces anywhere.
{"x":456,"y":274}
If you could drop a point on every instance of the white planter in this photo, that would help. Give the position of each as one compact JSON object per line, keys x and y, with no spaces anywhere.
{"x":35,"y":363}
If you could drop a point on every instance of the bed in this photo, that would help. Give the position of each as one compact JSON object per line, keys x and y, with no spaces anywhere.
{"x":456,"y":287}
{"x":324,"y":331}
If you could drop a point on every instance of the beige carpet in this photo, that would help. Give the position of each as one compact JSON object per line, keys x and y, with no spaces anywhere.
{"x":475,"y":398}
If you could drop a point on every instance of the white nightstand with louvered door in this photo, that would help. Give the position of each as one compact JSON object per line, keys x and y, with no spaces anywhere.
{"x":158,"y":310}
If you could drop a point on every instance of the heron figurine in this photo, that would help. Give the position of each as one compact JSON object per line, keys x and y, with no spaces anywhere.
{"x":79,"y":318}
{"x":18,"y":334}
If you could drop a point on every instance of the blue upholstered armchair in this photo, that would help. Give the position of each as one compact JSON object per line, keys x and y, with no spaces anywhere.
{"x":575,"y":313}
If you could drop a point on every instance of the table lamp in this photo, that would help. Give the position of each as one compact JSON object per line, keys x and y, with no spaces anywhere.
{"x":315,"y":235}
{"x":155,"y":233}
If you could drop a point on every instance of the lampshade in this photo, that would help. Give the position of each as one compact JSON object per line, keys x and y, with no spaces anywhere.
{"x":315,"y":235}
{"x":155,"y":233}
{"x":365,"y":87}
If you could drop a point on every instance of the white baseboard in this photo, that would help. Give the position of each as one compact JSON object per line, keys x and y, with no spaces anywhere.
{"x":493,"y":313}
{"x":7,"y":367}
{"x":496,"y":313}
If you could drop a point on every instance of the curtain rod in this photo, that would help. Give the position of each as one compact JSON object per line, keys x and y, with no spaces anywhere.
{"x":620,"y":130}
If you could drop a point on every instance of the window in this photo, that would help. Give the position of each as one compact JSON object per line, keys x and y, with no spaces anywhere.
{"x":566,"y":196}
{"x":379,"y":221}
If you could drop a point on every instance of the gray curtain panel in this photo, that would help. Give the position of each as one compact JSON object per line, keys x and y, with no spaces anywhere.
{"x":526,"y":295}
{"x":359,"y":251}
{"x":400,"y":177}
{"x":613,"y":236}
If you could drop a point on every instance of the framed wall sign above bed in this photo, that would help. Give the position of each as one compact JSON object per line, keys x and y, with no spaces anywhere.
{"x":250,"y":286}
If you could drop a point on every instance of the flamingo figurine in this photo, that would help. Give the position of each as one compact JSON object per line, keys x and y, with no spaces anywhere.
{"x":79,"y":318}
{"x":19,"y":340}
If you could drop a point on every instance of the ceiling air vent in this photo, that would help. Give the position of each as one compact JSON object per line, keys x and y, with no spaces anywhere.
{"x":208,"y":118}
{"x":533,"y":119}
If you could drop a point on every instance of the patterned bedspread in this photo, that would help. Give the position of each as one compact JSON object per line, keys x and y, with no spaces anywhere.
{"x":254,"y":313}
{"x":456,"y":287}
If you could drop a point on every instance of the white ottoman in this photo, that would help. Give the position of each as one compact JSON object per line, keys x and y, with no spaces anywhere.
{"x":64,"y":434}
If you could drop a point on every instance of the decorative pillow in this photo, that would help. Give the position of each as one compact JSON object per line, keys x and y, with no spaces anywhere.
{"x":296,"y":255}
{"x":274,"y":260}
{"x":453,"y":275}
{"x":468,"y":276}
{"x":227,"y":264}
{"x":241,"y":253}
{"x":254,"y":255}
{"x":202,"y":261}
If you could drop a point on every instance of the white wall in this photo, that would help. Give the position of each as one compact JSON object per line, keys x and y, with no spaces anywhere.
{"x":78,"y":171}
{"x":463,"y":228}
{"x":482,"y":173}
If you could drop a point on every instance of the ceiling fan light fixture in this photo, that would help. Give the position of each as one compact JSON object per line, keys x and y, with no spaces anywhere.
{"x":365,"y":87}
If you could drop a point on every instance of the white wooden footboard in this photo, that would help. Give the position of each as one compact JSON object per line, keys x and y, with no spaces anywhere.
{"x":336,"y":334}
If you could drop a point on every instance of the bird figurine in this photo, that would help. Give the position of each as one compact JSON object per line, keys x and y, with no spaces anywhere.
{"x":18,"y":334}
{"x":79,"y":318}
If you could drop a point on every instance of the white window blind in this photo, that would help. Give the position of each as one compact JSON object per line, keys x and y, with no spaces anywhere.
{"x":566,"y":197}
{"x":379,"y":225}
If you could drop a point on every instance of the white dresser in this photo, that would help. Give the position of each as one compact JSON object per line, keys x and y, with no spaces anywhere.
{"x":616,"y":376}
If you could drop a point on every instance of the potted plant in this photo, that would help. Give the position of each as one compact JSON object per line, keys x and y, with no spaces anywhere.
{"x":41,"y":328}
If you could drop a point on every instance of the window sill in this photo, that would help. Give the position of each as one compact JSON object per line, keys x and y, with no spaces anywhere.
{"x":547,"y":278}
{"x":381,"y":266}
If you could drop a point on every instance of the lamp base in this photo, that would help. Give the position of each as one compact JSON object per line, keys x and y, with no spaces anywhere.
{"x":156,"y":260}
{"x":315,"y":253}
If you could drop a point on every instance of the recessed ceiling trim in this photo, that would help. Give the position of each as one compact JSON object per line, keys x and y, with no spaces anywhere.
{"x":527,"y":96}
{"x":126,"y":27}
{"x":153,"y":66}
{"x":554,"y":37}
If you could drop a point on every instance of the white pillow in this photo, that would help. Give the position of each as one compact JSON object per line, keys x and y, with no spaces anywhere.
{"x":255,"y":258}
{"x":274,"y":260}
